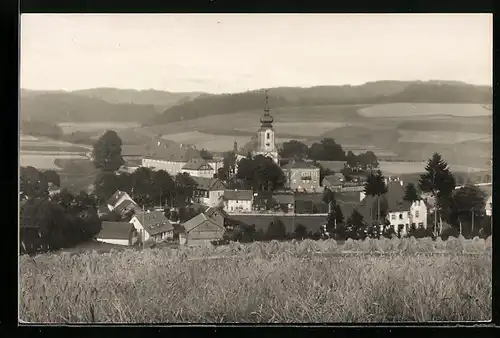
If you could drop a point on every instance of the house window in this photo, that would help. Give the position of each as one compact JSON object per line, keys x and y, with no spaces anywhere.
{"x":393,"y":216}
{"x":268,"y":136}
{"x":400,"y":216}
{"x":416,"y":213}
{"x":408,"y":214}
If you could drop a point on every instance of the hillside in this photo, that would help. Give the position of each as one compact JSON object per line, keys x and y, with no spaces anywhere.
{"x":158,"y":98}
{"x":67,"y":107}
{"x":368,"y":93}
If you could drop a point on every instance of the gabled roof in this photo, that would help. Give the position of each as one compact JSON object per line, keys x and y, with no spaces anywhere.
{"x":134,"y":150}
{"x":335,"y":166}
{"x":53,"y":187}
{"x":240,"y":195}
{"x":115,"y":197}
{"x":173,"y":153}
{"x":197,"y":220}
{"x":127,"y":204}
{"x":284,"y":198}
{"x":197,"y":164}
{"x":333,"y":180}
{"x":395,"y":201}
{"x":293,"y":164}
{"x":154,"y":222}
{"x":115,"y":230}
{"x":210,"y":184}
{"x":212,"y":210}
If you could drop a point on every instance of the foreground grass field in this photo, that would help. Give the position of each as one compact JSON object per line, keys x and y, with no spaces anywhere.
{"x":307,"y":281}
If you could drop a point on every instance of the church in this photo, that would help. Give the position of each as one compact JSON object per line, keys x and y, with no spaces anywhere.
{"x":264,"y":143}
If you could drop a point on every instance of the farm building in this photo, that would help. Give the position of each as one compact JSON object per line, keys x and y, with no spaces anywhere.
{"x":217,"y":215}
{"x":209,"y":191}
{"x":302,"y":176}
{"x":312,"y":223}
{"x":238,"y":200}
{"x":117,"y":198}
{"x":115,"y":233}
{"x":152,"y":225}
{"x":198,"y":167}
{"x":333,"y":182}
{"x":285,"y":202}
{"x":173,"y":157}
{"x":201,"y":230}
{"x":127,"y":207}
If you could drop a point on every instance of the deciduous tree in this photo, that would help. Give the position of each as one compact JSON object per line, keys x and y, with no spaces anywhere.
{"x":107,"y":152}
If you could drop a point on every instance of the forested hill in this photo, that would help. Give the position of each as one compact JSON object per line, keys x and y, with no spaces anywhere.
{"x":98,"y":104}
{"x":368,"y":93}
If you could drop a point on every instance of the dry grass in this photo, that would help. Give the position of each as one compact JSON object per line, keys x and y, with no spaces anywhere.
{"x":263,"y":282}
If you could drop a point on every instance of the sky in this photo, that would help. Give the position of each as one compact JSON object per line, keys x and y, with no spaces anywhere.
{"x":224,"y":53}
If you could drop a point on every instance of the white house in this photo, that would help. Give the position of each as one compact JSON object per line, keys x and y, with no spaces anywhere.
{"x":53,"y":189}
{"x":152,"y":225}
{"x":198,"y":167}
{"x":209,"y":191}
{"x":238,"y":201}
{"x":403,"y":215}
{"x":488,"y":206}
{"x":117,"y":198}
{"x":115,"y":233}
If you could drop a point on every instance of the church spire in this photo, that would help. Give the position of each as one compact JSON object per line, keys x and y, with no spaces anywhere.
{"x":267,"y":120}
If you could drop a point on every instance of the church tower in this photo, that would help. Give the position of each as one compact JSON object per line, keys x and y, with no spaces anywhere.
{"x":266,"y":143}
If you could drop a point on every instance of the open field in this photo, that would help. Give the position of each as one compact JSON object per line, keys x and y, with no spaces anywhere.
{"x":44,"y":161}
{"x":441,"y":137}
{"x":98,"y":127}
{"x":263,"y":282}
{"x":395,"y":168}
{"x":424,"y":109}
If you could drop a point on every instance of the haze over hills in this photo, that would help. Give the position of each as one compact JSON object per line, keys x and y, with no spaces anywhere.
{"x":370,"y":93}
{"x":97,"y":104}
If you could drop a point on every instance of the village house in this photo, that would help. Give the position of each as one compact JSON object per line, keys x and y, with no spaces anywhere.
{"x":209,"y":191}
{"x":333,"y":182}
{"x":152,"y":225}
{"x":127,"y":207}
{"x":115,"y":233}
{"x":174,"y":158}
{"x":198,"y":167}
{"x":238,"y":201}
{"x":302,"y":176}
{"x":401,"y":214}
{"x":201,"y":230}
{"x":53,"y":189}
{"x":117,"y":198}
{"x":217,"y":215}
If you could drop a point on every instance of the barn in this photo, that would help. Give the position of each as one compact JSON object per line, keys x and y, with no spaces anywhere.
{"x":115,"y":233}
{"x":201,"y":230}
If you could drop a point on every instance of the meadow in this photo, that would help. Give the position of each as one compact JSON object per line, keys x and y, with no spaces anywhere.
{"x":276,"y":282}
{"x":98,"y":127}
{"x":424,"y":109}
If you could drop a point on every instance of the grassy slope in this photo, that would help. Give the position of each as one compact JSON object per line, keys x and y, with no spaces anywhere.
{"x":262,"y":282}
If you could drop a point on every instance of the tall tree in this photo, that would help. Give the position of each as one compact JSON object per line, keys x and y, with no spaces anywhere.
{"x":294,"y":149}
{"x":375,"y":186}
{"x":300,"y":232}
{"x":184,"y":188}
{"x":52,"y":177}
{"x":107,"y":152}
{"x":33,"y":183}
{"x":276,"y":230}
{"x":142,"y":186}
{"x":329,"y":198}
{"x":411,"y":194}
{"x":356,"y":226}
{"x":439,"y":182}
{"x":468,"y":203}
{"x":260,"y":174}
{"x":106,"y":184}
{"x":163,"y":187}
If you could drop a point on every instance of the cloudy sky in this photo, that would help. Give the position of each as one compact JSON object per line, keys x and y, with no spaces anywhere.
{"x":238,"y":52}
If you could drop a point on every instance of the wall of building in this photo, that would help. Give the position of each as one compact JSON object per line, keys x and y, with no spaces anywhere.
{"x":295,"y":180}
{"x":173,"y":168}
{"x":114,"y":241}
{"x":138,"y":227}
{"x":215,"y":164}
{"x":238,"y":205}
{"x":417,"y":215}
{"x":199,"y":173}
